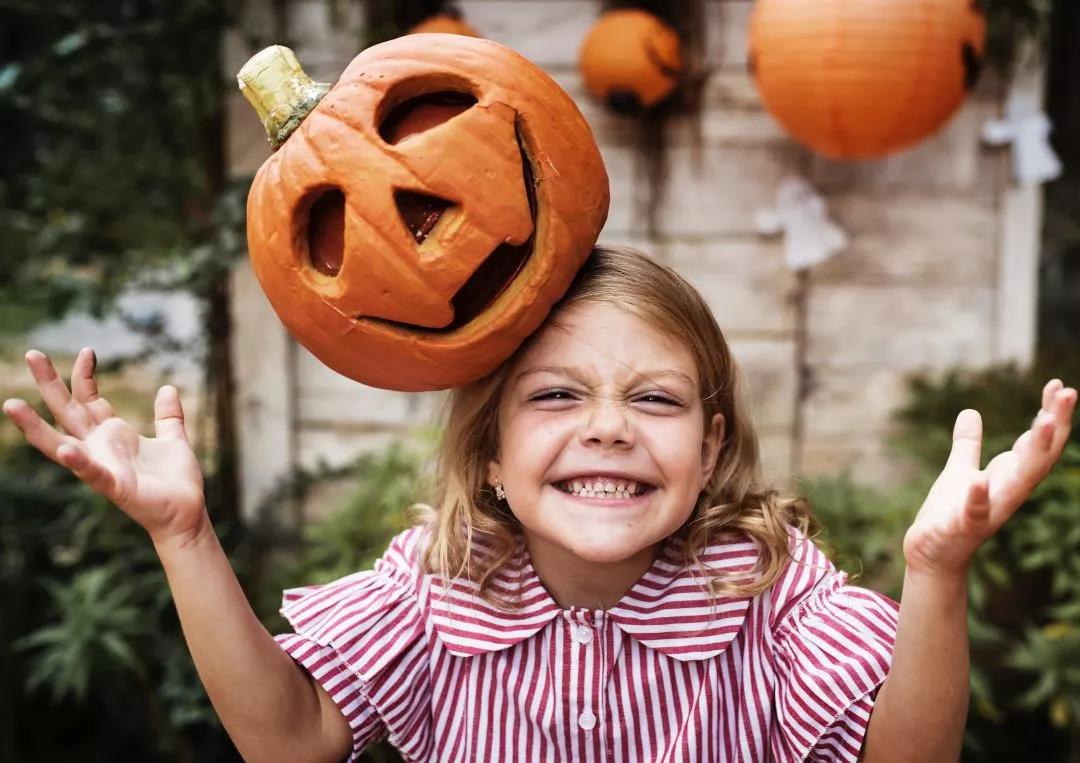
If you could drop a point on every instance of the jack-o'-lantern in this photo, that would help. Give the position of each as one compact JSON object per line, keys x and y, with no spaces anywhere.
{"x":630,"y":60}
{"x":420,"y":218}
{"x":858,"y":79}
{"x":444,"y":23}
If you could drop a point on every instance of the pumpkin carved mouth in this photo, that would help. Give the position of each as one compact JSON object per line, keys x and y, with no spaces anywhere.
{"x":421,"y":214}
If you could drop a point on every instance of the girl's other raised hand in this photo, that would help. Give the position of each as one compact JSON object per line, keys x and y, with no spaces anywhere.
{"x":154,"y":480}
{"x":966,"y":505}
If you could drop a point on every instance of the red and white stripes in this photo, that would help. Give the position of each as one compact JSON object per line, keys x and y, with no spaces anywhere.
{"x":787,"y":675}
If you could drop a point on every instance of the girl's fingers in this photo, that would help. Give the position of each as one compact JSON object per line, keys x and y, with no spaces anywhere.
{"x":69,"y":413}
{"x":34,"y":428}
{"x":1039,"y":448}
{"x":967,"y":440}
{"x":977,"y":505}
{"x":1062,"y":410}
{"x":1036,"y":441}
{"x":169,"y":415}
{"x":84,"y":386}
{"x":74,"y":456}
{"x":1049,"y":390}
{"x":1033,"y":455}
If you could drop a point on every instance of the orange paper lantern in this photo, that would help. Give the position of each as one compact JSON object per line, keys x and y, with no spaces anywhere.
{"x":444,"y":23}
{"x":422,"y":217}
{"x":630,"y":60}
{"x":864,"y":78}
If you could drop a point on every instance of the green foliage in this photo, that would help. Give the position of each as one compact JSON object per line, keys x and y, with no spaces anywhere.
{"x":89,"y":642}
{"x":859,"y":528}
{"x":112,"y":146}
{"x":1024,"y":585}
{"x":89,"y":633}
{"x":97,"y":622}
{"x":347,"y":539}
{"x":1053,"y":653}
{"x":355,"y":535}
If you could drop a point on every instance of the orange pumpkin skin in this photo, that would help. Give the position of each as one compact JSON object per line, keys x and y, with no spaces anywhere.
{"x":444,"y":24}
{"x":857,"y":79}
{"x":630,"y":59}
{"x":353,"y":285}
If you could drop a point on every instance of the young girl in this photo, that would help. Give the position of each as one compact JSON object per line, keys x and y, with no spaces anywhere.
{"x":604,"y":575}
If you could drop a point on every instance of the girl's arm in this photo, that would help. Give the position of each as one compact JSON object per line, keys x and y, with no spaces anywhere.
{"x":268,"y":704}
{"x":920,"y":711}
{"x":272,"y":709}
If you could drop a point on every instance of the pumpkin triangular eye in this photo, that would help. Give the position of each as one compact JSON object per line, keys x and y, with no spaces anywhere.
{"x":419,"y":212}
{"x":421,"y":113}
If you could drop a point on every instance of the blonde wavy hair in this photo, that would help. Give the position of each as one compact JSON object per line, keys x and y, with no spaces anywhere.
{"x":735,"y":502}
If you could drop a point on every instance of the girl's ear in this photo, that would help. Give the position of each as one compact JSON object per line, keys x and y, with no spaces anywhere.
{"x":493,"y":472}
{"x":710,"y":446}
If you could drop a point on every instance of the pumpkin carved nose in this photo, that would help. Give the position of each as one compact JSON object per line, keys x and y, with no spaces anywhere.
{"x":420,"y":212}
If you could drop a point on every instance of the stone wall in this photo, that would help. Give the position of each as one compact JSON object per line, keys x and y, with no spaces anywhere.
{"x":940,"y":270}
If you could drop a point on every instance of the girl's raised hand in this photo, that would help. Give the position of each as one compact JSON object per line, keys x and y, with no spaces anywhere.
{"x":155,"y":480}
{"x":966,"y":505}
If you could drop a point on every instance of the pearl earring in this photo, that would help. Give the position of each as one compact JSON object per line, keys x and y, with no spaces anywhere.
{"x":499,"y":492}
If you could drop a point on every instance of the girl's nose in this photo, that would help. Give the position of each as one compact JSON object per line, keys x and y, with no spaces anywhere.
{"x":606,"y":423}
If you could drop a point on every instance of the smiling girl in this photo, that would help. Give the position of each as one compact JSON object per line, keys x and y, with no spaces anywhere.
{"x":603,"y":576}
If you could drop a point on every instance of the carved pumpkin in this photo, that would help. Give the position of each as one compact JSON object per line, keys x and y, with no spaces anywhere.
{"x":630,"y":60}
{"x":444,"y":23}
{"x":858,"y":79}
{"x":421,"y":220}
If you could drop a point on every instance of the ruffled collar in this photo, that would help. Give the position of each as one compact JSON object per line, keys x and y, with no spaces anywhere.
{"x":667,"y":609}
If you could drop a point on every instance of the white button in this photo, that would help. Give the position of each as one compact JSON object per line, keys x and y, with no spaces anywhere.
{"x":583,"y":634}
{"x":587,"y":721}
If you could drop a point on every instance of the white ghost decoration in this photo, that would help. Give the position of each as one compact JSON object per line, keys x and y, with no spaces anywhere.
{"x":1028,"y":128}
{"x":810,"y":236}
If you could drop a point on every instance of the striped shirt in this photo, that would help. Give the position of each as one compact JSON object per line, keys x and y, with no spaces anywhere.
{"x":788,"y":675}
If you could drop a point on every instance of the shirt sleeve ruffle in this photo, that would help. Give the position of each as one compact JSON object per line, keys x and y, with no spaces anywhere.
{"x":362,"y":638}
{"x":833,"y":651}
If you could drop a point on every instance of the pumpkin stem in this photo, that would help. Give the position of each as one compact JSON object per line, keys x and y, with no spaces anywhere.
{"x":282,"y":94}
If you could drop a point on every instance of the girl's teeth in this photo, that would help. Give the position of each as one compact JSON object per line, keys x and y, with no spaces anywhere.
{"x":591,"y":489}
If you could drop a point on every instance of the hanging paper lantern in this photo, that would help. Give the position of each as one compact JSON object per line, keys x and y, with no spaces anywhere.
{"x":444,"y":23}
{"x":630,"y":60}
{"x":864,"y":78}
{"x":419,"y":219}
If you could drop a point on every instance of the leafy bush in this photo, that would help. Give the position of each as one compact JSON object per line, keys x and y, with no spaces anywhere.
{"x":349,"y":538}
{"x":92,"y":658}
{"x":1025,"y":582}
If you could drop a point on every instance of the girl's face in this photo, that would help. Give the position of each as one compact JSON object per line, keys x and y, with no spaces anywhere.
{"x":602,"y":397}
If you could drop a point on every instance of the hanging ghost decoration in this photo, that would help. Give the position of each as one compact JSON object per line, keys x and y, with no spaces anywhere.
{"x":1027,"y":128}
{"x":810,"y":237}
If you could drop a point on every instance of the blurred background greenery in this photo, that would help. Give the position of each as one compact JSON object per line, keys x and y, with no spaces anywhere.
{"x":112,"y":175}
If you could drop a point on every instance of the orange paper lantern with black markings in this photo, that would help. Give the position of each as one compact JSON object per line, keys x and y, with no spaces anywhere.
{"x":422,"y":217}
{"x":630,"y":60}
{"x":864,"y":78}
